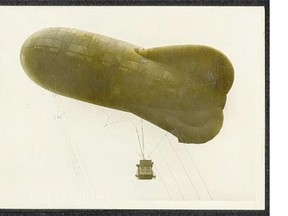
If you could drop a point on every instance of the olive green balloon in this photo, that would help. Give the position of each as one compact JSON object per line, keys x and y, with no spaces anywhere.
{"x":182,"y":89}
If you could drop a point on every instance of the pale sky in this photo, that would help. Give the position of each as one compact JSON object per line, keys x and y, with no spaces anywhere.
{"x":58,"y":152}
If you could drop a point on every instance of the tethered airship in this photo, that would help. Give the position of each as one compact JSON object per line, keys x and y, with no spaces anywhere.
{"x":182,"y":89}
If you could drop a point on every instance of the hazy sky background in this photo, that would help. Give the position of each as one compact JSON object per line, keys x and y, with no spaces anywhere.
{"x":62,"y":153}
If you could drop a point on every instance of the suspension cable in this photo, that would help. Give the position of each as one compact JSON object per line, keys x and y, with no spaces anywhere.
{"x":139,"y":143}
{"x":184,"y":168}
{"x":158,"y":174}
{"x":198,"y":172}
{"x":143,"y":140}
{"x":159,"y":142}
{"x":167,"y":166}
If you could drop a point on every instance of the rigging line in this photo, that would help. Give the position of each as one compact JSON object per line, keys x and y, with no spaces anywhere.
{"x":78,"y":165}
{"x":63,"y":112}
{"x":108,"y":117}
{"x":131,"y":121}
{"x":86,"y":175}
{"x":129,"y":117}
{"x":73,"y":148}
{"x":198,"y":172}
{"x":197,"y":169}
{"x":76,"y":169}
{"x":133,"y":146}
{"x":139,"y":142}
{"x":75,"y":163}
{"x":159,"y":142}
{"x":158,"y":174}
{"x":78,"y":159}
{"x":73,"y":159}
{"x":142,"y":138}
{"x":168,"y":166}
{"x":114,"y":122}
{"x":172,"y":174}
{"x":86,"y":172}
{"x":184,"y":168}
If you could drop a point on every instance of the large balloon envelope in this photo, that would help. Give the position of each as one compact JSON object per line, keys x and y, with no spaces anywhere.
{"x":182,"y":89}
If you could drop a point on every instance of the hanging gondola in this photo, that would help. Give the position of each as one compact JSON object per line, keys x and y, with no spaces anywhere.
{"x":145,"y":167}
{"x":145,"y":170}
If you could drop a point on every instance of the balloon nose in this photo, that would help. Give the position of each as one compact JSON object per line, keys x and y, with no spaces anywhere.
{"x":37,"y":56}
{"x":26,"y":62}
{"x":28,"y":57}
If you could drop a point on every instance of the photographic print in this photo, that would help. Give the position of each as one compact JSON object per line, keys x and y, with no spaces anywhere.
{"x":132,"y":107}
